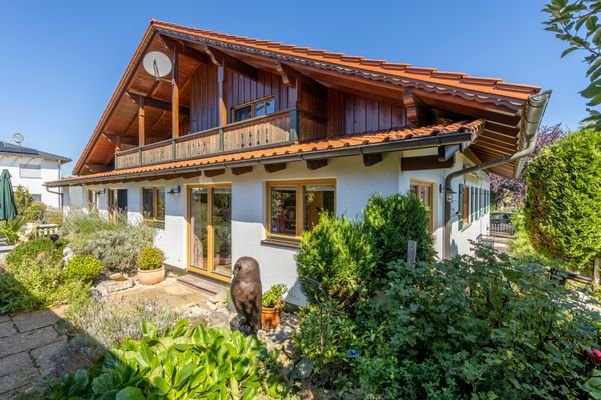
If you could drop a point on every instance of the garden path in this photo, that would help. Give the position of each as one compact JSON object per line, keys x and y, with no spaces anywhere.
{"x":27,"y":341}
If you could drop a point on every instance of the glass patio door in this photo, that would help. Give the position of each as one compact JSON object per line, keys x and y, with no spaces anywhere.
{"x":210,"y":231}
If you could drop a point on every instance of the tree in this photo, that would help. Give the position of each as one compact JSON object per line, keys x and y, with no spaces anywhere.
{"x":576,"y":22}
{"x":511,"y":192}
{"x":563,"y":207}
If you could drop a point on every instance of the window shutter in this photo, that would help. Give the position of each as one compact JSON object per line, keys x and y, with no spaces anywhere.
{"x":460,"y":207}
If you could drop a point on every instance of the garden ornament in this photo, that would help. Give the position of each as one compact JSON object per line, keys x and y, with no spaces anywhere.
{"x":247,"y":291}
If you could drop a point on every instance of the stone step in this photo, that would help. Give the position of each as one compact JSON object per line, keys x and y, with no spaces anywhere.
{"x":206,"y":285}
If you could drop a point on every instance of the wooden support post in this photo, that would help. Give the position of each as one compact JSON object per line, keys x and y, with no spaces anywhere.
{"x":174,"y":97}
{"x":411,"y":252}
{"x":141,"y":124}
{"x":221,"y":102}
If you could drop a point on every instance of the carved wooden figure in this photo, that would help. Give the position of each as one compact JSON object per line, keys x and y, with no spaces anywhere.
{"x":247,"y":291}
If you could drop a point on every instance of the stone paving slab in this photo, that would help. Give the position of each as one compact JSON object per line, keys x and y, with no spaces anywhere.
{"x":7,"y":329}
{"x":4,"y":318}
{"x":34,"y":320}
{"x":16,"y":371}
{"x":42,"y":355}
{"x":28,"y":341}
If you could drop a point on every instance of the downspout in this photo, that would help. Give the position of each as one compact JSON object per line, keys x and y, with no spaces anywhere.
{"x":60,"y":197}
{"x":536,"y":105}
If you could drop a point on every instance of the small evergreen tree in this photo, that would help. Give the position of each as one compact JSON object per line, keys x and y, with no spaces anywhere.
{"x":563,"y":207}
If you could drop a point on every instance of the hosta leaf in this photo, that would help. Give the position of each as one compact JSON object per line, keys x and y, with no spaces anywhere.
{"x":160,"y":385}
{"x":130,"y":393}
{"x":182,"y":376}
{"x":149,"y":330}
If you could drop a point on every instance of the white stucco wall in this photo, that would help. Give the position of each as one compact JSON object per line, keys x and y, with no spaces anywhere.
{"x":50,"y":171}
{"x":354,"y":185}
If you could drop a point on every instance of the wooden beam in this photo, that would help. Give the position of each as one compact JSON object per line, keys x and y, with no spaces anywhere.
{"x":196,"y":55}
{"x":372,"y":159}
{"x":154,"y":103}
{"x":218,"y":57}
{"x":120,"y":139}
{"x":425,"y":162}
{"x":242,"y":170}
{"x":214,"y":172}
{"x":141,"y":123}
{"x":98,"y":167}
{"x":286,"y":73}
{"x":316,"y":164}
{"x":418,"y":113}
{"x":448,"y":151}
{"x":175,"y":96}
{"x":271,"y":168}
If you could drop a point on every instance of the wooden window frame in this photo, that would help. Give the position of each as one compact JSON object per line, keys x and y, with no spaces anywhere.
{"x":92,"y":199}
{"x":299,"y":185}
{"x":432,"y":210}
{"x":154,"y":221}
{"x":253,"y":105}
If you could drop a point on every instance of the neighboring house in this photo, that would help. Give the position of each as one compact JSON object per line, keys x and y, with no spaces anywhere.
{"x":32,"y":168}
{"x":237,"y":150}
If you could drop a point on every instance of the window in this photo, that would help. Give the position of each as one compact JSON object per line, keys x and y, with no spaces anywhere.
{"x":36,"y":197}
{"x":153,"y":206}
{"x":92,"y":199}
{"x":294,"y":207}
{"x":117,"y":202}
{"x":423,"y":191}
{"x":30,"y":171}
{"x":255,"y":109}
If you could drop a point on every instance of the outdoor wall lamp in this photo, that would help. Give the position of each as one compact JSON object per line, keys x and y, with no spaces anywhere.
{"x":175,"y":190}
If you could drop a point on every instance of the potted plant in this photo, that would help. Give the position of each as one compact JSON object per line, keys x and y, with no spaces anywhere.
{"x":150,"y":266}
{"x":273,"y":303}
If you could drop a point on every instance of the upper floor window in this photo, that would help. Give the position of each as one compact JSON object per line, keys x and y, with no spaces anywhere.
{"x":30,"y":171}
{"x":294,"y":207}
{"x":153,"y":205}
{"x":423,"y":191}
{"x":256,"y":108}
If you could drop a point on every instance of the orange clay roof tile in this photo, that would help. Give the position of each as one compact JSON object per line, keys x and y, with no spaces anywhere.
{"x":383,"y":136}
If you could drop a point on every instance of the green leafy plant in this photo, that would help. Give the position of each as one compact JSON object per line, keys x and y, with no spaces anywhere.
{"x":33,"y":211}
{"x":562,"y":213}
{"x":83,"y":268}
{"x":12,"y":229}
{"x":274,"y":297}
{"x":576,"y":22}
{"x":34,"y":248}
{"x":183,"y":363}
{"x":472,"y":327}
{"x":150,"y":258}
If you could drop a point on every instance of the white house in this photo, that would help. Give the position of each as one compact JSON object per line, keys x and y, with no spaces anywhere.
{"x":32,"y":168}
{"x":235,"y":147}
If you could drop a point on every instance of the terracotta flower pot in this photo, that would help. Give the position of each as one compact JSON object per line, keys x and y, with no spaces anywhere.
{"x":270,"y":317}
{"x":151,"y":277}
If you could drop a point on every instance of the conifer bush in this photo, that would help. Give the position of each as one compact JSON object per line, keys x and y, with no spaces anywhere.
{"x":563,"y":207}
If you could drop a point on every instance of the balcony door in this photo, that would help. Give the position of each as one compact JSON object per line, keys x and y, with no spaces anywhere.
{"x":210,"y":231}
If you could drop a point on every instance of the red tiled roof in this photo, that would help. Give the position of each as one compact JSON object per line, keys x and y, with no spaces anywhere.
{"x":462,"y":80}
{"x":342,"y":142}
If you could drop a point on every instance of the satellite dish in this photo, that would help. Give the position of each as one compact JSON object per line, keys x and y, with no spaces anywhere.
{"x":157,"y":64}
{"x":18,"y":138}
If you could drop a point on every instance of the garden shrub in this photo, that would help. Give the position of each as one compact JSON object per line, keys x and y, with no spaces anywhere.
{"x":472,"y":327}
{"x":183,"y":363}
{"x":563,"y":216}
{"x":110,"y":323}
{"x":336,"y":253}
{"x":83,"y":268}
{"x":118,"y":249}
{"x":12,"y":229}
{"x":80,"y":226}
{"x":390,"y":222}
{"x":33,"y":211}
{"x":150,"y":258}
{"x":34,"y":278}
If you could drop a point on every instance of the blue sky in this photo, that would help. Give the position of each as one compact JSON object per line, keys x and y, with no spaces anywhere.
{"x":60,"y":61}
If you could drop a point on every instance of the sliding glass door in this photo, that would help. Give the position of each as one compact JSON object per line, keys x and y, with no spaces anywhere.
{"x":210,"y":231}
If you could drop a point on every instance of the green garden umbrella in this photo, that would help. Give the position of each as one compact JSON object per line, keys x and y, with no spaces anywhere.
{"x":8,"y":209}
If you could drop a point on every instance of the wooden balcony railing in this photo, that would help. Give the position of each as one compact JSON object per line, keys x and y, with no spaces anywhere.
{"x":268,"y":130}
